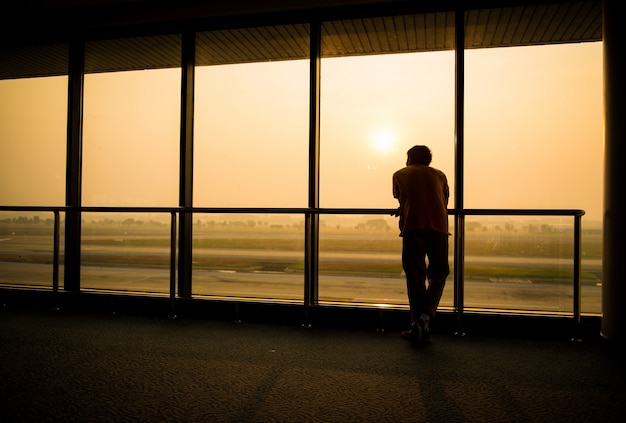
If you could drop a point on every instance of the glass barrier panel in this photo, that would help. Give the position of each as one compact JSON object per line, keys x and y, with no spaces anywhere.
{"x":249,"y":256}
{"x":591,"y":268}
{"x":27,"y":249}
{"x":524,"y":264}
{"x":360,"y":261}
{"x":126,"y":252}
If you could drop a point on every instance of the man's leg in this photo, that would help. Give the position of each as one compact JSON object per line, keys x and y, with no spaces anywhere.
{"x":438,"y":270}
{"x":414,"y":265}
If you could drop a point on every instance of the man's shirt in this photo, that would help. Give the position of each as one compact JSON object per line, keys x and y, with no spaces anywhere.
{"x":423,"y":194}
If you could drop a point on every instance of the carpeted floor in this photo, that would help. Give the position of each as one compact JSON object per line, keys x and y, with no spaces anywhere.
{"x":78,"y":367}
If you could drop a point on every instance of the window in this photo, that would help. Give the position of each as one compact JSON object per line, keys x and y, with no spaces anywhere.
{"x":132,"y":122}
{"x":33,"y":131}
{"x":378,"y":99}
{"x":533,"y":120}
{"x":251,"y":145}
{"x":251,"y":126}
{"x":33,"y":155}
{"x":131,"y":155}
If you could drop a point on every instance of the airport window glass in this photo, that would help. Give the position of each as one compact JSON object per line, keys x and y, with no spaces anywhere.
{"x":383,"y":90}
{"x":251,"y":124}
{"x":527,"y":263}
{"x":26,"y":248}
{"x":33,"y":155}
{"x":380,"y":98}
{"x":533,"y":135}
{"x":251,"y":146}
{"x":131,"y":139}
{"x":126,"y":252}
{"x":33,"y":133}
{"x":360,"y":261}
{"x":249,"y":256}
{"x":131,"y":155}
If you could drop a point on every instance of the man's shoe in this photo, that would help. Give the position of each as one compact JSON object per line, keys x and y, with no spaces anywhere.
{"x":408,"y":334}
{"x":418,"y":334}
{"x":426,"y":338}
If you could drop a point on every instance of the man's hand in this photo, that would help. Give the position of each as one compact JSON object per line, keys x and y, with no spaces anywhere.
{"x":396,"y":213}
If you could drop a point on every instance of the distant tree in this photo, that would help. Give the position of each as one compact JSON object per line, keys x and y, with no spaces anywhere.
{"x":374,"y":225}
{"x":472,"y":226}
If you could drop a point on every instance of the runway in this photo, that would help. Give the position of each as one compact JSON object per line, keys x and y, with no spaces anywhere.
{"x":503,"y":293}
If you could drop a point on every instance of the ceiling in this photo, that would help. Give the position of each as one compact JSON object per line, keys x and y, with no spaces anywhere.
{"x":530,"y":24}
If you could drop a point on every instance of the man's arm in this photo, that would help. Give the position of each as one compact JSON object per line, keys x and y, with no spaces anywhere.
{"x":396,"y":194}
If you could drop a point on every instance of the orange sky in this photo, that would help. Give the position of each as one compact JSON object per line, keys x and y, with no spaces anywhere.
{"x":533,"y":131}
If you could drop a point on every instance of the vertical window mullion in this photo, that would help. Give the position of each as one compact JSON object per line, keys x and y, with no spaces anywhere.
{"x":459,"y":219}
{"x":186,"y":163}
{"x":74,"y":164}
{"x":312,"y":219}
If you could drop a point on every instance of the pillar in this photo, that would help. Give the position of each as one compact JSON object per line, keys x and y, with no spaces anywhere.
{"x":614,"y":270}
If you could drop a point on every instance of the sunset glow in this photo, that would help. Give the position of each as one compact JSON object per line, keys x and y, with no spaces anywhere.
{"x":532,"y":114}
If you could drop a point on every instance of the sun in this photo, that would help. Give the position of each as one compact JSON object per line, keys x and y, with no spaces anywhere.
{"x":383,"y":140}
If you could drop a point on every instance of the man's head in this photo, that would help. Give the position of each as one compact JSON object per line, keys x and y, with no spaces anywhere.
{"x":419,"y":154}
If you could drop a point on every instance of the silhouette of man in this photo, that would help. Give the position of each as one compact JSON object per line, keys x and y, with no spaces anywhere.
{"x":423,"y":193}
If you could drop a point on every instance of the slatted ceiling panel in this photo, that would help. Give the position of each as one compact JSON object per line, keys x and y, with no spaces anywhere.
{"x":383,"y":34}
{"x":498,"y":27}
{"x":581,"y":21}
{"x":282,"y":42}
{"x":287,"y":43}
{"x":133,"y":53}
{"x":341,"y":37}
{"x":553,"y":17}
{"x":33,"y":62}
{"x":535,"y":30}
{"x":260,"y":47}
{"x":219,"y":48}
{"x":487,"y":22}
{"x":424,"y":31}
{"x":351,"y":37}
{"x":393,"y":34}
{"x":536,"y":24}
{"x":498,"y":19}
{"x":294,"y":40}
{"x":518,"y":25}
{"x":444,"y":31}
{"x":401,"y":38}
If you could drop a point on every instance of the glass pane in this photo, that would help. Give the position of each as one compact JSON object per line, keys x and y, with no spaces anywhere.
{"x":521,"y":263}
{"x":360,"y":261}
{"x":251,"y":126}
{"x":33,"y":133}
{"x":374,"y":108}
{"x":249,"y":256}
{"x":27,"y":249}
{"x":131,"y":126}
{"x":533,"y":131}
{"x":591,"y":270}
{"x":126,"y":252}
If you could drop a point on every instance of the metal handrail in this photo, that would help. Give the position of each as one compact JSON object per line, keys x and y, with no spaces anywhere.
{"x":175,"y":211}
{"x":291,"y":210}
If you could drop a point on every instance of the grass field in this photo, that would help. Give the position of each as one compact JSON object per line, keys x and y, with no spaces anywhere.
{"x":134,"y":244}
